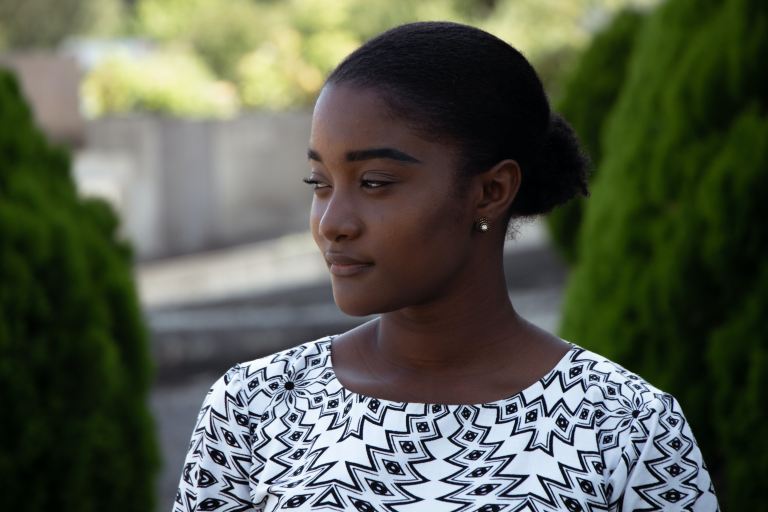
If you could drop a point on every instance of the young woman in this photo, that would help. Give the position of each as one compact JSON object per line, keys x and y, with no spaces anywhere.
{"x":426,"y":142}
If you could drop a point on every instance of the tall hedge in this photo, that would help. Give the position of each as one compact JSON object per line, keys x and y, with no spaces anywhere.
{"x":75,"y":433}
{"x":672,"y":277}
{"x":589,"y":94}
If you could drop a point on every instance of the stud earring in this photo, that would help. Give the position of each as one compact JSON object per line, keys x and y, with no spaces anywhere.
{"x":482,"y":224}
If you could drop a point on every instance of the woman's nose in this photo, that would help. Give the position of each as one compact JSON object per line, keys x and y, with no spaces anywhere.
{"x":339,"y":219}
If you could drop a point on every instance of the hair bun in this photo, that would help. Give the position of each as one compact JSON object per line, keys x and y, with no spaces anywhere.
{"x":556,"y":174}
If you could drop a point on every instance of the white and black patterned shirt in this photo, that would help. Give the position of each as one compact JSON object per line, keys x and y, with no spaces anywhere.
{"x":282,"y":433}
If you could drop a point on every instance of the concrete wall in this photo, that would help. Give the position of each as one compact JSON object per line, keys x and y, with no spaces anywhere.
{"x":133,"y":145}
{"x":260,"y":162}
{"x":184,"y":186}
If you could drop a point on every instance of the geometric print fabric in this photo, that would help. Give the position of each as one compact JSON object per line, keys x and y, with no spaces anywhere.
{"x":281,"y":433}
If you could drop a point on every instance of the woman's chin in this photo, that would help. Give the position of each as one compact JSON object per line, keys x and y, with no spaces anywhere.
{"x":355,"y":308}
{"x":355,"y":305}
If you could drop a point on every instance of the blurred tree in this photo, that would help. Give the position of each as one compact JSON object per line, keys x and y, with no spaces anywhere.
{"x":122,"y":84}
{"x":277,"y":53}
{"x":29,"y":24}
{"x":76,"y":434}
{"x":672,"y":279}
{"x":220,"y":31}
{"x":551,"y":32}
{"x":275,"y":75}
{"x":589,"y":94}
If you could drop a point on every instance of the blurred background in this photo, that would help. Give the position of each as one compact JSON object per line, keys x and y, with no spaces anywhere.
{"x":153,"y":226}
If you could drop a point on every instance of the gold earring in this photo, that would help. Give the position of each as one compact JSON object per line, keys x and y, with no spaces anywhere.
{"x":482,"y":224}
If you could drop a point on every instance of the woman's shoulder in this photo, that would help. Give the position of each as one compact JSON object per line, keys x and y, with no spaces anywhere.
{"x":619,"y":404}
{"x":626,"y":411}
{"x":268,"y":374}
{"x":645,"y":440}
{"x":292,"y":360}
{"x":605,"y":380}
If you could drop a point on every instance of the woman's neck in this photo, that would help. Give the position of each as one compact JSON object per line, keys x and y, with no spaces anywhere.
{"x":468,"y":325}
{"x":468,"y":345}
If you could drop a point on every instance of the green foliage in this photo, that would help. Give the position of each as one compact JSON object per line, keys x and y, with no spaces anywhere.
{"x":169,"y":82}
{"x":74,"y":371}
{"x":275,"y":54}
{"x":672,"y":279}
{"x":589,"y":94}
{"x":219,"y":31}
{"x":26,"y":24}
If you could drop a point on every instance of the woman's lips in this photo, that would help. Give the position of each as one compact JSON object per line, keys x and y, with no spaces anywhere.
{"x":346,"y":270}
{"x":343,"y":265}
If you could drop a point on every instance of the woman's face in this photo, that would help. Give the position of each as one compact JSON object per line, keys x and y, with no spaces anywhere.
{"x":386,"y":214}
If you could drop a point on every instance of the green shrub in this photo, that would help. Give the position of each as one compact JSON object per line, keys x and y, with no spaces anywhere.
{"x":76,"y":434}
{"x":219,"y":31}
{"x":171,"y":82}
{"x":276,"y":53}
{"x":672,"y":278}
{"x":590,"y":93}
{"x":35,"y":24}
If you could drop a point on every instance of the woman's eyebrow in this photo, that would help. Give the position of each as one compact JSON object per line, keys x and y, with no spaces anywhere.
{"x":370,"y":154}
{"x":391,"y":153}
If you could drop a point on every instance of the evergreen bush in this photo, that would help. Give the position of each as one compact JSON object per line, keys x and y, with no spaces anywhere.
{"x":672,"y":277}
{"x":589,"y":94}
{"x":76,"y":434}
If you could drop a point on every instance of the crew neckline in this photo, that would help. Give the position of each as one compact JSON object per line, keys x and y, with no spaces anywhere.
{"x":559,"y":366}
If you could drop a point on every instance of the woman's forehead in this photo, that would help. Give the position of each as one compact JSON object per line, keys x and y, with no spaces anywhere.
{"x":349,"y":119}
{"x":341,"y":107}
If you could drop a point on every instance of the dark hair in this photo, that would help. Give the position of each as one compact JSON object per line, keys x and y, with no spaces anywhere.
{"x":467,"y":87}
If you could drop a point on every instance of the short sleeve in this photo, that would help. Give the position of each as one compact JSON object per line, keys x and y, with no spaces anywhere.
{"x":217,"y":465}
{"x":661,"y":465}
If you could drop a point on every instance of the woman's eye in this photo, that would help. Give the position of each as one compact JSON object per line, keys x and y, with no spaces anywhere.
{"x":373,"y":183}
{"x":315,"y":183}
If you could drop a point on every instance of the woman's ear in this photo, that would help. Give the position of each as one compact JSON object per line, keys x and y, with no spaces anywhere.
{"x":497,"y":188}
